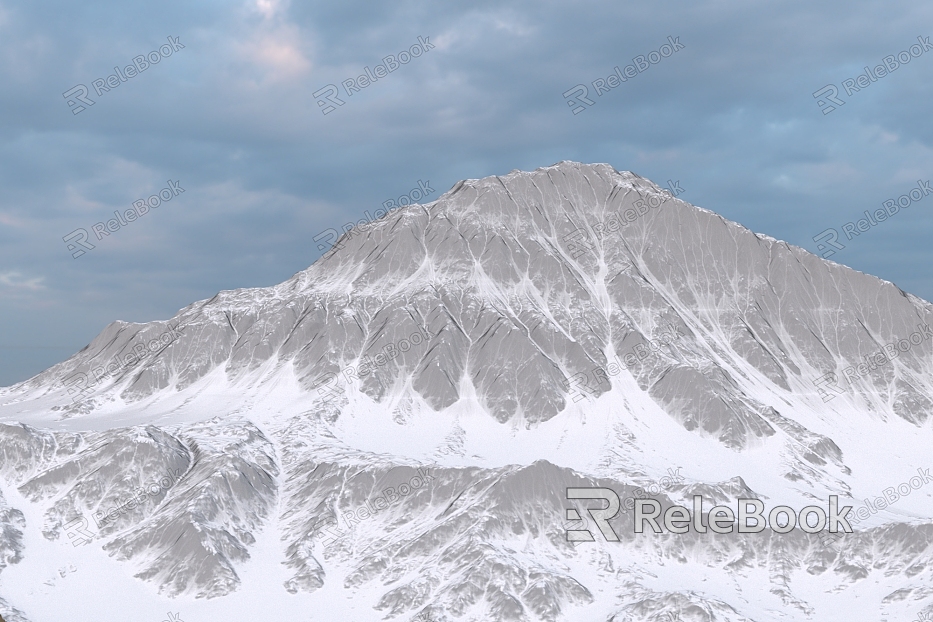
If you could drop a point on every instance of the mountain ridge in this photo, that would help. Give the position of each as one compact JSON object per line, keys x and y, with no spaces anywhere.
{"x":548,"y":358}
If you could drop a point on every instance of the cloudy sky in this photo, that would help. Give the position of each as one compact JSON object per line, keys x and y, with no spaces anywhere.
{"x":232,"y":119}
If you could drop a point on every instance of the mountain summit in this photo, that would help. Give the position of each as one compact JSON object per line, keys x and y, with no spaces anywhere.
{"x":568,"y":327}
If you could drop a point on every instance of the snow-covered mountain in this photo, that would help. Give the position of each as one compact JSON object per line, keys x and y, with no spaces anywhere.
{"x":390,"y":434}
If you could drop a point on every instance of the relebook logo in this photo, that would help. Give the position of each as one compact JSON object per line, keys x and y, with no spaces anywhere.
{"x":79,"y":237}
{"x":79,"y":93}
{"x":371,"y":507}
{"x":82,"y":384}
{"x":829,"y":94}
{"x":362,"y":225}
{"x":720,"y":519}
{"x":328,"y":97}
{"x":578,"y":97}
{"x":138,"y":498}
{"x":326,"y":384}
{"x":888,"y":208}
{"x":79,"y":530}
{"x":873,"y":361}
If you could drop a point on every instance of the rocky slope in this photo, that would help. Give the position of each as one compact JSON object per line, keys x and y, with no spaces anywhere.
{"x":569,"y":327}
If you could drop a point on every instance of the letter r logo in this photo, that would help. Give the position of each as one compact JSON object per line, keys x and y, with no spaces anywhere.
{"x":327,"y":387}
{"x":579,"y":97}
{"x":831,"y":237}
{"x":601,"y":517}
{"x":78,"y":527}
{"x":832,"y":91}
{"x":327,"y":96}
{"x":74,"y":95}
{"x":575,"y":238}
{"x":79,"y":237}
{"x":334,"y":235}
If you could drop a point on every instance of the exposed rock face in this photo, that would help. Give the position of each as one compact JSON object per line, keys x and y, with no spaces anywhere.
{"x":574,"y":326}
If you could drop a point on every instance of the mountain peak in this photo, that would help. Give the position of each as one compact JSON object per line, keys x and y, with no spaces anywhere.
{"x":576,"y":321}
